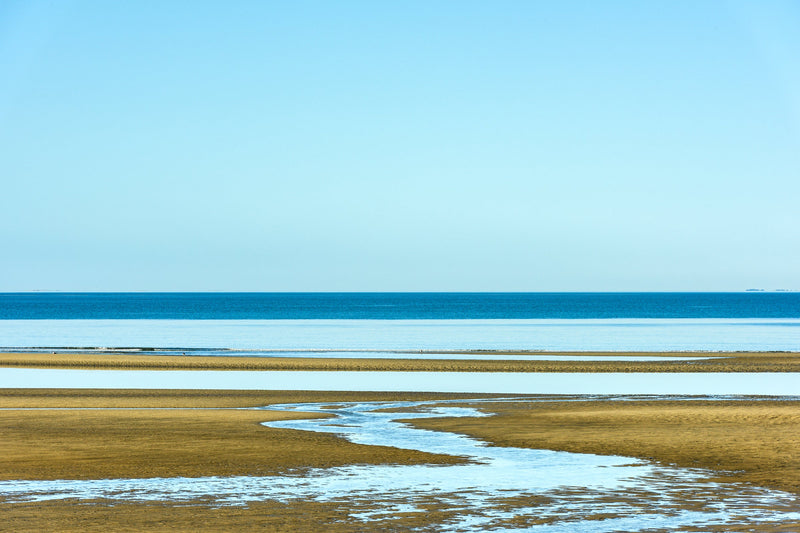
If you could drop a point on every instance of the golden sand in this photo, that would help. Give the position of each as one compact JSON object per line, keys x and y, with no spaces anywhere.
{"x":200,"y":433}
{"x":755,"y":441}
{"x":192,"y":433}
{"x":697,"y":362}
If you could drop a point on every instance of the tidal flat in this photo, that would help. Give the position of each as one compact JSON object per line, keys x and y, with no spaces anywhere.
{"x":114,"y":434}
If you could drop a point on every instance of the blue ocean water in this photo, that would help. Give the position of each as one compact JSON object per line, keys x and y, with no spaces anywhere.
{"x":396,"y":306}
{"x":302,"y":323}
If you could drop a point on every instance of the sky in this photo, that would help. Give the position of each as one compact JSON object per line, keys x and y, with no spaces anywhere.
{"x":399,"y":146}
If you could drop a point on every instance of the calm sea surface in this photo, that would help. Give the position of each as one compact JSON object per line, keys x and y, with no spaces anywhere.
{"x":396,"y":306}
{"x":265,"y":323}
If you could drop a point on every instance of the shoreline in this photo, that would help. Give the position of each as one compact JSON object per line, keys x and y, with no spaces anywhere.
{"x":732,"y":362}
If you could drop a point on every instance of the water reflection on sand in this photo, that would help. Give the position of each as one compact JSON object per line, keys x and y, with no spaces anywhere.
{"x":504,"y":489}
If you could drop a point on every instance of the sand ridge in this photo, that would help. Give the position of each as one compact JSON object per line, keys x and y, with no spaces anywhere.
{"x":697,"y":362}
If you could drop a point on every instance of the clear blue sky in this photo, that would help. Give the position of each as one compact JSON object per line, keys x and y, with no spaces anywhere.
{"x":475,"y":146}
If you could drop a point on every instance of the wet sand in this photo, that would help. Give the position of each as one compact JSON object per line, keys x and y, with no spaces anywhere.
{"x":187,"y":433}
{"x":120,"y":434}
{"x":270,"y":517}
{"x":754,"y":441}
{"x":698,"y":362}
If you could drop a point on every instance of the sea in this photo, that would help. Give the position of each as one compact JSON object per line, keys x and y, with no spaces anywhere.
{"x":297,"y":324}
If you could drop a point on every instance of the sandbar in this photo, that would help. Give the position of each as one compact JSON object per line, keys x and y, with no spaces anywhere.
{"x":695,"y":362}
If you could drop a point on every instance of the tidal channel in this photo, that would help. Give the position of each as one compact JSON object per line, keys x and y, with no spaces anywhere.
{"x":498,"y":489}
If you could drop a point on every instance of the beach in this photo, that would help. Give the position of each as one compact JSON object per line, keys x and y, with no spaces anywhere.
{"x":90,"y":434}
